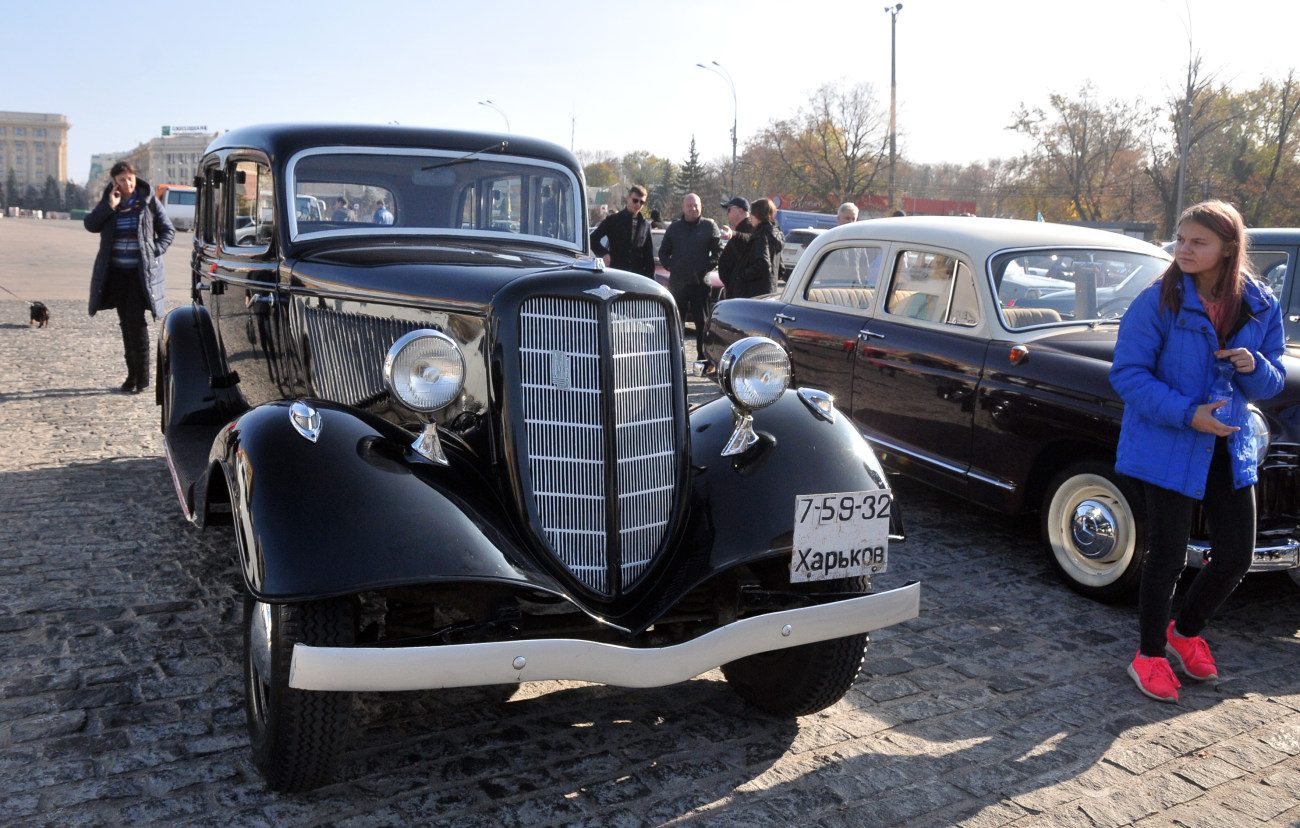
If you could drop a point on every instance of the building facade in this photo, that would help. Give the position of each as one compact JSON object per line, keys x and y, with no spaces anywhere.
{"x":35,"y":146}
{"x":170,"y":159}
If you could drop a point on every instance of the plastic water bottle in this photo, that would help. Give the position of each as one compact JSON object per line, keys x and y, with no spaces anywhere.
{"x":1222,"y":389}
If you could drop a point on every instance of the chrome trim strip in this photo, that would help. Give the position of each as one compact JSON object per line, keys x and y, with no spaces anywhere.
{"x":1264,"y":559}
{"x":879,"y":442}
{"x":368,"y":669}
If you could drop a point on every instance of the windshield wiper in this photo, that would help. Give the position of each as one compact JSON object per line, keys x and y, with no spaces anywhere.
{"x":499,"y":146}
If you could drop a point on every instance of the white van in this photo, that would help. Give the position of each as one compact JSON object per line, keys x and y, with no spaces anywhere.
{"x":178,"y":200}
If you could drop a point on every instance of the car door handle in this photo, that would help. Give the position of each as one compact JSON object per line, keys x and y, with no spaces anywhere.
{"x":865,"y":335}
{"x":781,"y":317}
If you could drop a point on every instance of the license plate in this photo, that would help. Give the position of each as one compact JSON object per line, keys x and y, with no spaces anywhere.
{"x":840,"y":535}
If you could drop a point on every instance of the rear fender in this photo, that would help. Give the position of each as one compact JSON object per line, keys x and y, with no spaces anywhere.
{"x":357,"y":510}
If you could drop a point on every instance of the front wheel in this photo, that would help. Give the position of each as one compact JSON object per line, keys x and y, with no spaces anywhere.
{"x":1094,"y":524}
{"x":297,"y":736}
{"x":801,"y":680}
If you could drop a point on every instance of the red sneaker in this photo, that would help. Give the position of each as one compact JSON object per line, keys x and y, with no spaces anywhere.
{"x":1154,"y":677}
{"x":1192,"y":655}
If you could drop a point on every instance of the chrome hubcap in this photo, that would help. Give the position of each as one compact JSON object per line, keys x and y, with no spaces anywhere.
{"x":1093,"y":530}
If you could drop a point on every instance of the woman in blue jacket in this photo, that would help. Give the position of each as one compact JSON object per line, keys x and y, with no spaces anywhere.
{"x":1193,"y":349}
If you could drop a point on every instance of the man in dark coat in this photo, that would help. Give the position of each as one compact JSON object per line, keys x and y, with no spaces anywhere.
{"x":744,"y":267}
{"x":134,"y":233}
{"x":623,"y":239}
{"x":689,"y":251}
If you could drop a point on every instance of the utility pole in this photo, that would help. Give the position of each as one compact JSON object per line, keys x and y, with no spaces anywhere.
{"x":721,"y":71}
{"x":893,"y":98}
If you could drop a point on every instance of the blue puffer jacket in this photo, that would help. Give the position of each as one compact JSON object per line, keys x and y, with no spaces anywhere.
{"x":1163,"y":370}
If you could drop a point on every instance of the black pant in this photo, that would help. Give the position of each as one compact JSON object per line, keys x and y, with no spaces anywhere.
{"x":127,"y":296}
{"x":1230,"y":513}
{"x":692,"y":302}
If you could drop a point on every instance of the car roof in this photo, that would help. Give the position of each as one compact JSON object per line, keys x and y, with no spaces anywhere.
{"x":281,"y":141}
{"x":1274,"y":235}
{"x":982,"y":237}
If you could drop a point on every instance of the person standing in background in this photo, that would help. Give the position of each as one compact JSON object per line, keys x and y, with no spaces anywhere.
{"x":688,"y":252}
{"x":134,"y":233}
{"x":623,"y":239}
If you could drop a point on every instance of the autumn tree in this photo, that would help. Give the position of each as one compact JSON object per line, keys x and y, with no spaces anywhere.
{"x":830,"y":151}
{"x":1085,"y":151}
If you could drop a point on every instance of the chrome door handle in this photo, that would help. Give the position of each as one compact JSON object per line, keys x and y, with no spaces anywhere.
{"x":781,"y":317}
{"x":864,"y":335}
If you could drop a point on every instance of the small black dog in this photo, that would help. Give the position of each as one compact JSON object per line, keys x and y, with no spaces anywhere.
{"x":40,"y":315}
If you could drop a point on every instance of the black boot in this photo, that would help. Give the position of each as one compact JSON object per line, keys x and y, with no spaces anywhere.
{"x":128,"y":348}
{"x":140,"y":358}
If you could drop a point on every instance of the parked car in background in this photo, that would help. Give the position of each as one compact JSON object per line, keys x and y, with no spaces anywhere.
{"x":795,"y":243}
{"x":456,"y":451}
{"x":1275,"y":252}
{"x":920,"y":329}
{"x":178,"y":201}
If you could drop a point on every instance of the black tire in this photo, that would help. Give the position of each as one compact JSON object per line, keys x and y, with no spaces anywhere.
{"x":297,"y":736}
{"x":801,"y":680}
{"x":1094,"y":525}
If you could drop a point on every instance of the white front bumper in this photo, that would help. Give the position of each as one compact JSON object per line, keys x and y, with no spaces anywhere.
{"x":507,"y":662}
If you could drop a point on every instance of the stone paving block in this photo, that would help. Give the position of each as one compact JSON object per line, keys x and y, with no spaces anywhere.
{"x":1005,"y":703}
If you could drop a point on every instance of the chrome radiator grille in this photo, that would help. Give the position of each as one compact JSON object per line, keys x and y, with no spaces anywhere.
{"x":347,"y":352}
{"x":566,"y":397}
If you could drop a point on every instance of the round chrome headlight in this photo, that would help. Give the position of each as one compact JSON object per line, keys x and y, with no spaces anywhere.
{"x":425,"y":370}
{"x":754,"y":372}
{"x":1256,"y":439}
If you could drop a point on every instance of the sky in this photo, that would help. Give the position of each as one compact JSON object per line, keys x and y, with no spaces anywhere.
{"x":611,"y":77}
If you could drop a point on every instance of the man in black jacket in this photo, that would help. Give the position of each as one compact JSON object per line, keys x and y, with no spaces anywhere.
{"x":623,"y":239}
{"x":689,"y":251}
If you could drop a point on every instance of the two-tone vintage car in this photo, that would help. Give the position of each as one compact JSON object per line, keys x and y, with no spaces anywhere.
{"x":456,"y":451}
{"x":923,"y":331}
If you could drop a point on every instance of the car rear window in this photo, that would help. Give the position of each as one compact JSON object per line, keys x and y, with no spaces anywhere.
{"x":800,"y":237}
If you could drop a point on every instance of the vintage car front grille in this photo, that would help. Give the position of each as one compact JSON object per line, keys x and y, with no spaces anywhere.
{"x":573,"y":401}
{"x":347,"y":352}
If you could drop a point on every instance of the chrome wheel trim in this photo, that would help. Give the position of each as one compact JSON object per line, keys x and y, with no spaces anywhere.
{"x":1092,"y":530}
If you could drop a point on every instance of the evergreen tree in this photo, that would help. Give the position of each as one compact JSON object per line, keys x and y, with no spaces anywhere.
{"x":51,"y":201}
{"x":691,"y":176}
{"x":12,"y":193}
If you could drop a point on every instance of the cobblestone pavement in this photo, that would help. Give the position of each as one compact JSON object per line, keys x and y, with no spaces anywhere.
{"x":1005,"y":703}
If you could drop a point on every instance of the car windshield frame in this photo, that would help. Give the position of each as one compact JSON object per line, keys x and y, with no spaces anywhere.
{"x":428,"y":171}
{"x":1056,"y":300}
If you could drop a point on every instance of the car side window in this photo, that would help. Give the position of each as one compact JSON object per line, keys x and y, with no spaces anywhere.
{"x":846,"y":277}
{"x":208,"y":205}
{"x":253,"y":205}
{"x":934,"y":287}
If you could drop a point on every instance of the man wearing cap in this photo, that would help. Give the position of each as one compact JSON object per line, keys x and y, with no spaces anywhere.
{"x":623,"y":239}
{"x":743,"y":267}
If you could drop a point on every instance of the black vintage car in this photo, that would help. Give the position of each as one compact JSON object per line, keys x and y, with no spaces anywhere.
{"x":456,"y":451}
{"x":974,"y":355}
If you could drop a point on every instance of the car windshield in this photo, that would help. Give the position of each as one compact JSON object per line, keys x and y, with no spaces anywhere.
{"x":1070,"y":284}
{"x":339,"y":192}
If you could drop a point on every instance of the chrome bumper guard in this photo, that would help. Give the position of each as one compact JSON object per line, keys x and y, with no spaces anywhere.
{"x":1277,"y":558}
{"x":505,"y":662}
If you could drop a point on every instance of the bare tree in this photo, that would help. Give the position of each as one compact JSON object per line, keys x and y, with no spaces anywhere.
{"x":1084,"y":149}
{"x":831,"y":150}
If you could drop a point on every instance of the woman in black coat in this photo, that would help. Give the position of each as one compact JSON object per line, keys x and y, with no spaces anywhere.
{"x":134,"y":233}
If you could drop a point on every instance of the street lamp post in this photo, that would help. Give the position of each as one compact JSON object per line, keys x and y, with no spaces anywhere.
{"x":893,"y":96}
{"x":499,"y":110}
{"x":721,"y":71}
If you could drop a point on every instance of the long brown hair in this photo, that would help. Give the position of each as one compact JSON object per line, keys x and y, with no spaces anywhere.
{"x":1223,"y":220}
{"x":763,"y":210}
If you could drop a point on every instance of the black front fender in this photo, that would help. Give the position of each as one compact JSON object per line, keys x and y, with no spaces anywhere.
{"x":744,"y":506}
{"x":357,"y":510}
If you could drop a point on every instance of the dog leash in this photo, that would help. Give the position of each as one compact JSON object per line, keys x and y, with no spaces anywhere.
{"x":14,"y":295}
